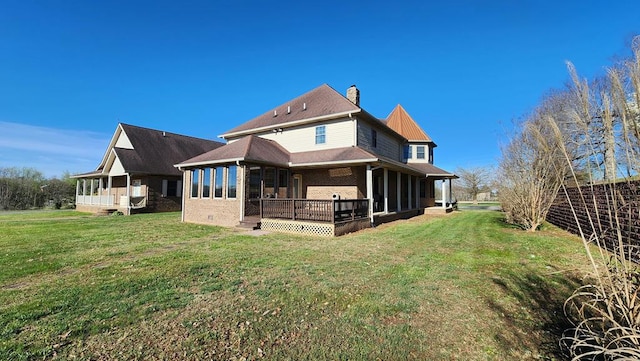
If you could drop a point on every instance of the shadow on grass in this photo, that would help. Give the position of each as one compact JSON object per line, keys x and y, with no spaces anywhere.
{"x":540,"y":321}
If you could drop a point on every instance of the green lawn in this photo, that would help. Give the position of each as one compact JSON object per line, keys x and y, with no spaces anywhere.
{"x":463,"y":286}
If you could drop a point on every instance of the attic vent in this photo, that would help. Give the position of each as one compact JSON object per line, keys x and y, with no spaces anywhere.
{"x":164,"y":134}
{"x":288,"y":109}
{"x":304,"y":106}
{"x":275,"y":113}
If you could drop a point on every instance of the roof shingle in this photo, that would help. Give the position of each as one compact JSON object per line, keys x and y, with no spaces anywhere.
{"x":319,"y":102}
{"x":155,"y":151}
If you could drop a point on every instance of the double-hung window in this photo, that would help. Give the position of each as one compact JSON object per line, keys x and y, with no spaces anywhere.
{"x":320,"y":134}
{"x":420,"y":152}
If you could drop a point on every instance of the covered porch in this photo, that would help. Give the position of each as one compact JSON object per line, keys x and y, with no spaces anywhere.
{"x":103,"y":194}
{"x":335,"y":201}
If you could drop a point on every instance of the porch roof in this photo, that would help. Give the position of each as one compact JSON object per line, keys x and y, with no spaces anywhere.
{"x":431,"y":170}
{"x":247,"y":149}
{"x":254,"y":149}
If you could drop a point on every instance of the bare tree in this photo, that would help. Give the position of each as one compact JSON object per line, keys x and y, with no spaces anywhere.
{"x":474,"y":181}
{"x":532,"y":169}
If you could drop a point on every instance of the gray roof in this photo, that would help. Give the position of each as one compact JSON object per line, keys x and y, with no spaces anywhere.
{"x":431,"y":170}
{"x":346,"y":155}
{"x":264,"y":151}
{"x":249,"y":148}
{"x":155,"y":151}
{"x":320,"y":102}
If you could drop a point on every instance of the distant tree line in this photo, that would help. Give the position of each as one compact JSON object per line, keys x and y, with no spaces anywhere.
{"x":28,"y":188}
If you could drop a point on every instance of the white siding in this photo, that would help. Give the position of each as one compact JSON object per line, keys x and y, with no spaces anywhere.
{"x":123,"y":141}
{"x":388,"y":145}
{"x":116,"y":168}
{"x":338,"y":134}
{"x":414,"y":150}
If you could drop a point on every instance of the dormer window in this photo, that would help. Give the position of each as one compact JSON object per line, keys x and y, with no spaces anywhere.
{"x":420,"y":152}
{"x":320,"y":134}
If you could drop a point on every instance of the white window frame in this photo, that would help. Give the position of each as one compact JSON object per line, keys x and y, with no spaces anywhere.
{"x":321,"y":134}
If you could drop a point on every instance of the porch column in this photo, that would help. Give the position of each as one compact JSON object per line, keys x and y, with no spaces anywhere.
{"x":128,"y":194}
{"x":242,"y":175}
{"x":77,"y":189}
{"x":109,"y":184}
{"x":450,"y":193}
{"x":409,"y":198}
{"x":84,"y":187}
{"x":417,"y":192}
{"x":386,"y":191}
{"x":398,"y":191}
{"x":444,"y":194}
{"x":91,"y":194}
{"x":100,"y":184}
{"x":370,"y":190}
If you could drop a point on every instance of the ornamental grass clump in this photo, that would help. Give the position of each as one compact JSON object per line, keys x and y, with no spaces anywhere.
{"x":605,"y":312}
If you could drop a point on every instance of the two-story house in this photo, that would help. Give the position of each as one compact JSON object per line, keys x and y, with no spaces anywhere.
{"x":318,"y":164}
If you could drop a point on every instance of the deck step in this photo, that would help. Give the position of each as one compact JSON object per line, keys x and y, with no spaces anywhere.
{"x":249,"y":224}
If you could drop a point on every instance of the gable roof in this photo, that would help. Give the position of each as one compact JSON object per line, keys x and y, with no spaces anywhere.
{"x":400,"y":121}
{"x":249,"y":148}
{"x":319,"y":103}
{"x":153,"y":151}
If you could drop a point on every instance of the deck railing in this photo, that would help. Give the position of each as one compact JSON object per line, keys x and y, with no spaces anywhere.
{"x":316,"y":210}
{"x":98,"y":200}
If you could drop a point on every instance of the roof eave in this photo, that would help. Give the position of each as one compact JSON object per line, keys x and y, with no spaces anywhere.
{"x":290,"y":124}
{"x":333,"y":162}
{"x":207,"y":162}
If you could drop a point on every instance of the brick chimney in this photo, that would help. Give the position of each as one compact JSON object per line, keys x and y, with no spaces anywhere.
{"x":353,"y":94}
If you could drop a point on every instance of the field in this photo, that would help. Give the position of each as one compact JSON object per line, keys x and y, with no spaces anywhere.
{"x":462,"y":286}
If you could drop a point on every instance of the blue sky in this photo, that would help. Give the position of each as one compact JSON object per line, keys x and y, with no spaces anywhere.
{"x":71,"y":70}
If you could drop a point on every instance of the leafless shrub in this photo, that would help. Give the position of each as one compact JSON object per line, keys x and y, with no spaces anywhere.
{"x":531,"y":171}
